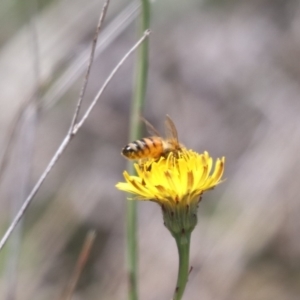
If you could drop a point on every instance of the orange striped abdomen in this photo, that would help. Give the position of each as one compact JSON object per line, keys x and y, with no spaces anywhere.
{"x":151,"y":147}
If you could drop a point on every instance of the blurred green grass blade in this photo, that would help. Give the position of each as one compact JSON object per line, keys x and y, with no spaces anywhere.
{"x":140,"y":85}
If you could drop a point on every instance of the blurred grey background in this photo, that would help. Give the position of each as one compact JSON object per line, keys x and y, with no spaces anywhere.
{"x":227,"y":72}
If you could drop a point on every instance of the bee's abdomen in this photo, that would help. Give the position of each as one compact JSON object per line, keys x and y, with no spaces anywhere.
{"x":143,"y":148}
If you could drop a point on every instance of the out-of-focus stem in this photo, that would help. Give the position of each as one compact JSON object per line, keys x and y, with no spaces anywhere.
{"x":140,"y":85}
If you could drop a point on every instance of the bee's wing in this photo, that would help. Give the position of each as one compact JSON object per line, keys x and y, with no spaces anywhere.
{"x":171,"y":131}
{"x":150,"y":127}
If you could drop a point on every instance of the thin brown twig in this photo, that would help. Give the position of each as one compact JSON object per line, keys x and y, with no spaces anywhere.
{"x":33,"y":101}
{"x":111,"y":32}
{"x":109,"y":78}
{"x":77,"y":66}
{"x":91,"y":59}
{"x":66,"y":142}
{"x":80,"y":264}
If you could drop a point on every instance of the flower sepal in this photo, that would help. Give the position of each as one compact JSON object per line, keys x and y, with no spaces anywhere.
{"x":181,"y":218}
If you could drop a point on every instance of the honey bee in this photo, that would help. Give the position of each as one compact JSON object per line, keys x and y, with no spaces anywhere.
{"x":154,"y":146}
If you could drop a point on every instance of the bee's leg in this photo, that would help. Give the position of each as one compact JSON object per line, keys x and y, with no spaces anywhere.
{"x":141,"y":163}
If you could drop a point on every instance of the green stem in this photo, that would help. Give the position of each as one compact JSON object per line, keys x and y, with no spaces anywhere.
{"x":183,"y":245}
{"x":135,"y":131}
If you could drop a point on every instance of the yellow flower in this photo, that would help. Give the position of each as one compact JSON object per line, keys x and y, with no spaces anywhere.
{"x":176,"y":183}
{"x":173,"y":179}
